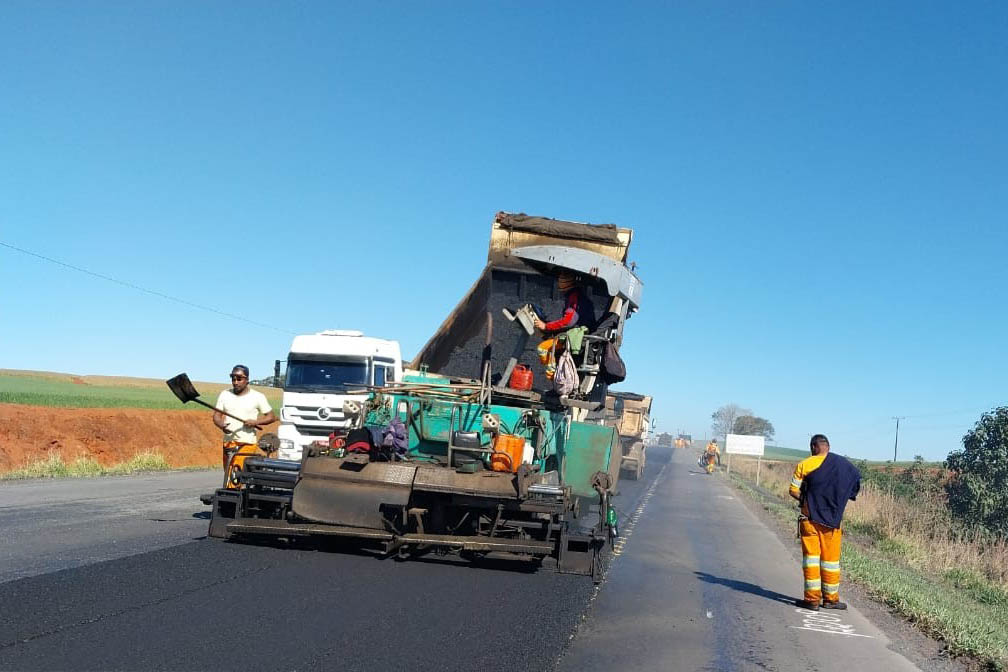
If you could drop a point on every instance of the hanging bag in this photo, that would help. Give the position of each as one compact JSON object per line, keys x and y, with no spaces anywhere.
{"x":565,"y":380}
{"x":613,"y":368}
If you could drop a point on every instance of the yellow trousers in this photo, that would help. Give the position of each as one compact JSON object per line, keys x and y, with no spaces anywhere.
{"x":820,"y":561}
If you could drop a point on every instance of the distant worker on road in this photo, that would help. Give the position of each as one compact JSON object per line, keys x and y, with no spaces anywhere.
{"x":711,"y":455}
{"x":822,"y":484}
{"x":242,"y":402}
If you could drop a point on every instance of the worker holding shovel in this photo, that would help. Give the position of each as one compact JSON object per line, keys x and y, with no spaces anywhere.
{"x":241,"y":402}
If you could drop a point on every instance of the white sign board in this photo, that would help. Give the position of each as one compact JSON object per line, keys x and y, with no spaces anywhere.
{"x":744,"y":445}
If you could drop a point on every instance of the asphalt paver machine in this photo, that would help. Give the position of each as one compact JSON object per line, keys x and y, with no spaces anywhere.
{"x":452,"y":458}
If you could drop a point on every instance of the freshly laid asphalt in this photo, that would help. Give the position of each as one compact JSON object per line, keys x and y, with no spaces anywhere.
{"x":207,"y":604}
{"x":697,"y":583}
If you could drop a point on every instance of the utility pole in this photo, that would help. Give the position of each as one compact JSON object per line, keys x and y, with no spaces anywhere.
{"x":897,"y":418}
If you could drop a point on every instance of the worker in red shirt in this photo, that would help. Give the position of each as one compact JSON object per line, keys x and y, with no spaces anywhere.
{"x":579,"y":311}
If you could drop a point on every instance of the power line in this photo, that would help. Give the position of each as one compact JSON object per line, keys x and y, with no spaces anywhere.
{"x":941,"y":413}
{"x":152,"y":292}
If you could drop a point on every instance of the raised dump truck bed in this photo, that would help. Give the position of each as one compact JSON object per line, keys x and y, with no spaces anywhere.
{"x":518,"y":272}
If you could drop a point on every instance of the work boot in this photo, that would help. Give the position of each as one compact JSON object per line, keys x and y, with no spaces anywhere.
{"x":834,"y":605}
{"x":804,"y":604}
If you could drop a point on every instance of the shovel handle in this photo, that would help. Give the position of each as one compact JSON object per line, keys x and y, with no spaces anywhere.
{"x":214,"y":408}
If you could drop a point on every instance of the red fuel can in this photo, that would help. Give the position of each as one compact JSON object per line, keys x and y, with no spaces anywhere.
{"x":521,"y":378}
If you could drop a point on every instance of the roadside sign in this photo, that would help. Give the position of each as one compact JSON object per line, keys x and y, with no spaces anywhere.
{"x":744,"y":445}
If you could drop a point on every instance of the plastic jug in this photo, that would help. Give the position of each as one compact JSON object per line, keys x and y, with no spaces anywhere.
{"x":508,"y":452}
{"x":521,"y":378}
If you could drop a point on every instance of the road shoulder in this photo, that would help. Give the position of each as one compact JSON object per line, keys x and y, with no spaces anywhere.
{"x":703,"y":584}
{"x":925,"y":652}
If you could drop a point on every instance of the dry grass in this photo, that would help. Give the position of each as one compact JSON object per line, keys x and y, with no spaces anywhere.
{"x":920,"y":532}
{"x":907,"y":553}
{"x":54,"y":466}
{"x":928,"y":536}
{"x":774,"y":476}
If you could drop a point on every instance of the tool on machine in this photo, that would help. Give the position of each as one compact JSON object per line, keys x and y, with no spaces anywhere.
{"x":525,"y":316}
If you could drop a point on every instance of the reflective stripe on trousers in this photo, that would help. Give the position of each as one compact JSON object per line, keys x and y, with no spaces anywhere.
{"x":820,"y":561}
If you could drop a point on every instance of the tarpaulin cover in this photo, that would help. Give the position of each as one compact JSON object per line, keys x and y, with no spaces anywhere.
{"x":602,"y":233}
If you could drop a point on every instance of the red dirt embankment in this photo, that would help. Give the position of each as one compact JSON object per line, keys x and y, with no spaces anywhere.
{"x":109,"y":435}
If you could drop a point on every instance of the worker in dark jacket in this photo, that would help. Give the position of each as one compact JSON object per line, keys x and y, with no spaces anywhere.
{"x":579,"y":311}
{"x":822,"y":484}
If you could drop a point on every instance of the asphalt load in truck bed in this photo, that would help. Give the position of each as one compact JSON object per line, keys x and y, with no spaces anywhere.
{"x":226,"y":606}
{"x":510,"y":289}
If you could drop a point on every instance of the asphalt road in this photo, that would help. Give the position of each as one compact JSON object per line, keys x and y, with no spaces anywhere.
{"x":49,"y":525}
{"x":703,"y":584}
{"x":115,"y":573}
{"x":697,"y":583}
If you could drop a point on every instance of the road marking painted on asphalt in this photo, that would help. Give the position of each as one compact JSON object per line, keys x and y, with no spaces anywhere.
{"x":622,"y":540}
{"x":826,"y":623}
{"x":618,"y":548}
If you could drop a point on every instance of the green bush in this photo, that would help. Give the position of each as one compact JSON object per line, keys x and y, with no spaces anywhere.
{"x":908,"y":483}
{"x":978,"y":489}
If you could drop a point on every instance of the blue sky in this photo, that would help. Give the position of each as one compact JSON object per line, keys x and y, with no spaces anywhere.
{"x":817,"y":192}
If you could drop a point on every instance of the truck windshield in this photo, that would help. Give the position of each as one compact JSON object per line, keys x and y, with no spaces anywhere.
{"x":312,"y":375}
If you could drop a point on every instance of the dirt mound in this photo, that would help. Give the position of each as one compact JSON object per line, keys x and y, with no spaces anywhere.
{"x":109,"y":435}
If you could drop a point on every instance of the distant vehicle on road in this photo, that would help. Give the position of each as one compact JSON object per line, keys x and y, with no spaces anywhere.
{"x":630,"y":414}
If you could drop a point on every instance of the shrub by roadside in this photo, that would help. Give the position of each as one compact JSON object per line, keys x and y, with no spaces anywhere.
{"x":55,"y":466}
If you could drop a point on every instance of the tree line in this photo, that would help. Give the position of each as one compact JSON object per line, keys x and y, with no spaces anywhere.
{"x":734,"y":419}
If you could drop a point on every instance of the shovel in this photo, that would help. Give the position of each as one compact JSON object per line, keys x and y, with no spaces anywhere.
{"x":183,"y":388}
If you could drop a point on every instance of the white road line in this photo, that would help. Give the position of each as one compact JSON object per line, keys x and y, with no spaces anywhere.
{"x":634,"y":517}
{"x":830,"y":624}
{"x":617,"y":550}
{"x":831,"y":632}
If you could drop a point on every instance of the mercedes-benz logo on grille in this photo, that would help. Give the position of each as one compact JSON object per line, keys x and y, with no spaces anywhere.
{"x":323,"y":413}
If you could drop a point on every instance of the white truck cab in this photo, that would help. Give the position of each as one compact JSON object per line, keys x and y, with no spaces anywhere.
{"x":322,"y":369}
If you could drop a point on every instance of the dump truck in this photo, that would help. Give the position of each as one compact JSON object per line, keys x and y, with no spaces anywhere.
{"x":452,"y":458}
{"x":664,"y":440}
{"x":630,"y":414}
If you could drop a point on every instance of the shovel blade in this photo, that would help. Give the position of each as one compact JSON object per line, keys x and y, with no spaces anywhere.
{"x":182,"y":388}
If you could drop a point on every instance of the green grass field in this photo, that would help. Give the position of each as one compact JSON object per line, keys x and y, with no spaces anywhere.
{"x":61,"y":390}
{"x":796,"y":455}
{"x":784,"y":454}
